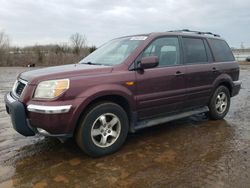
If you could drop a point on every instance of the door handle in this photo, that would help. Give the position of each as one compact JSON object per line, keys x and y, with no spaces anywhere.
{"x":178,"y":73}
{"x":214,"y":69}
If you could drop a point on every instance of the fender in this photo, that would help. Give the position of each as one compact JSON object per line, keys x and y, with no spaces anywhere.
{"x":223,"y":78}
{"x":96,"y":92}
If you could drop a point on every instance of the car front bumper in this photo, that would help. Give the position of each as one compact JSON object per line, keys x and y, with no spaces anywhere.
{"x":24,"y":125}
{"x":16,"y":110}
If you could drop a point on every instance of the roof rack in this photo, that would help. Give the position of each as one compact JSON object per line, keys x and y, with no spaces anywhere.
{"x":196,"y":32}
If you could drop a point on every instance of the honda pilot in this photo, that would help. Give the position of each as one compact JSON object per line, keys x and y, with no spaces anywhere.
{"x":127,"y":84}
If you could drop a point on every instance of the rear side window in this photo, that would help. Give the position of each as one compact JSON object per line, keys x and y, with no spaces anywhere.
{"x":221,"y":50}
{"x":195,"y":51}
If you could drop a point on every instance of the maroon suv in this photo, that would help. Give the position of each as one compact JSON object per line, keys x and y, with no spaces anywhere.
{"x":127,"y":84}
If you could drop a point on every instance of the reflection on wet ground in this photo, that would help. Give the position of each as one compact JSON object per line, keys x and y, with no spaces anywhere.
{"x":192,"y":152}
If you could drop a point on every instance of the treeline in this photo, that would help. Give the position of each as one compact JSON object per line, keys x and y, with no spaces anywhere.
{"x":241,"y":50}
{"x":44,"y":55}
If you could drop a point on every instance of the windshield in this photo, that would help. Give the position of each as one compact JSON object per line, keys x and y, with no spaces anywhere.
{"x":114,"y":52}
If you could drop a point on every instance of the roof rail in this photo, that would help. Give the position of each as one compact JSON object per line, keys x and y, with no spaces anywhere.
{"x":196,"y":32}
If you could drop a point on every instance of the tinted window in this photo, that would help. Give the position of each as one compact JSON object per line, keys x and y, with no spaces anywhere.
{"x":195,"y":51}
{"x":221,"y":50}
{"x":167,"y":49}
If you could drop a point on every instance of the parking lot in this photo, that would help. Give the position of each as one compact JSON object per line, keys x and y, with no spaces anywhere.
{"x":192,"y":152}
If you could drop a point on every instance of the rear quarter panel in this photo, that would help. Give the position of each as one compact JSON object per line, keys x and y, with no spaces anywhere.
{"x":228,"y":72}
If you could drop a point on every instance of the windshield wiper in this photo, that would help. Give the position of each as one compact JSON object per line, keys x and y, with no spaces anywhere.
{"x":90,"y":63}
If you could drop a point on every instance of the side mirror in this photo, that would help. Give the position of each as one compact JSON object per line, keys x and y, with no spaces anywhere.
{"x":149,"y":62}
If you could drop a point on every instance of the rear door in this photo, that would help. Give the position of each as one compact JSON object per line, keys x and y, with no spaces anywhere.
{"x":161,"y":90}
{"x":200,"y":71}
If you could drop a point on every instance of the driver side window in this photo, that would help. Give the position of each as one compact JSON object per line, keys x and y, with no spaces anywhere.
{"x":167,"y":49}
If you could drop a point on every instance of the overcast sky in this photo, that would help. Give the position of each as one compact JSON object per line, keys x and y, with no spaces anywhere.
{"x":29,"y":22}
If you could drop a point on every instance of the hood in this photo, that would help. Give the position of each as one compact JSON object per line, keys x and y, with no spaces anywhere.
{"x":63,"y":71}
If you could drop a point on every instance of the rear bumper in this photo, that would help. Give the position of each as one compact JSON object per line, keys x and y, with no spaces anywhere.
{"x":236,"y":87}
{"x":24,"y":125}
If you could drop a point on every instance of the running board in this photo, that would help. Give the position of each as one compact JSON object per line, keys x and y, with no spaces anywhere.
{"x":159,"y":120}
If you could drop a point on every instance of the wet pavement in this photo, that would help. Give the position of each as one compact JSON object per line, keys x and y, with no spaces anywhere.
{"x":192,"y":152}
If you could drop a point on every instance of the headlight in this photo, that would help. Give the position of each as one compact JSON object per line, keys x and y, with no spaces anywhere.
{"x":51,"y":88}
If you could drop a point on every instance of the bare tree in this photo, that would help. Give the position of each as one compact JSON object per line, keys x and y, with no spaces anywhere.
{"x":4,"y":40}
{"x":4,"y":45}
{"x":92,"y":48}
{"x":78,"y":42}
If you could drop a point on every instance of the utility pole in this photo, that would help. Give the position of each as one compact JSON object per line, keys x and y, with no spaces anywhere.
{"x":242,"y":46}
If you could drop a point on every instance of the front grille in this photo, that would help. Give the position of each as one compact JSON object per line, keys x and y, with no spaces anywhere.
{"x":19,"y":87}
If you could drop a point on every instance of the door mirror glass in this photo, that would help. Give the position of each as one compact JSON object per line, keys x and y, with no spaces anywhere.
{"x":149,"y":62}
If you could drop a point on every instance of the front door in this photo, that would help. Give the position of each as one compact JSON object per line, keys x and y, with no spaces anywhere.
{"x":161,"y":90}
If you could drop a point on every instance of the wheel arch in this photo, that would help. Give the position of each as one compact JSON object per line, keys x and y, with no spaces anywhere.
{"x":223,"y":80}
{"x":227,"y":85}
{"x":121,"y":100}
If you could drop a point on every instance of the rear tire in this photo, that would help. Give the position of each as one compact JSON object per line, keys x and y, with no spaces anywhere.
{"x":219,"y":103}
{"x":103,"y":129}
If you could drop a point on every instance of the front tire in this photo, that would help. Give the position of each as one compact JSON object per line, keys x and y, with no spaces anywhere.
{"x":219,"y":103}
{"x":103,"y":129}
